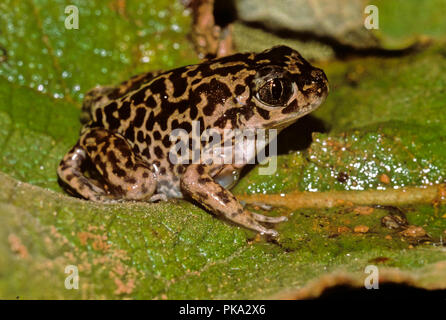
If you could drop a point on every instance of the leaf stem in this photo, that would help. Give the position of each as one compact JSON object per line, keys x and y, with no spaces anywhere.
{"x":435,"y":195}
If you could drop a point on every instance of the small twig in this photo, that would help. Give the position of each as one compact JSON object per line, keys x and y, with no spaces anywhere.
{"x":395,"y":197}
{"x":210,"y":40}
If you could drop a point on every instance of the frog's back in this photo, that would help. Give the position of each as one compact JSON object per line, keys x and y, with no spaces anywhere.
{"x":169,"y":100}
{"x":99,"y":97}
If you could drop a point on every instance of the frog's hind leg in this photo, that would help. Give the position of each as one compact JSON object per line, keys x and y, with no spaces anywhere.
{"x":70,"y":172}
{"x":125,"y":176}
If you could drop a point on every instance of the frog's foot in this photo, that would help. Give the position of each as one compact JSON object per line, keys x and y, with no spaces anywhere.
{"x":252,"y":221}
{"x":197,"y":183}
{"x":158,"y":197}
{"x":125,"y":176}
{"x":69,"y":171}
{"x":262,"y":218}
{"x":261,"y":205}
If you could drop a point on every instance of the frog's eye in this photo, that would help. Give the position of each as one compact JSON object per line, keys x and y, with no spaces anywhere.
{"x":275,"y":92}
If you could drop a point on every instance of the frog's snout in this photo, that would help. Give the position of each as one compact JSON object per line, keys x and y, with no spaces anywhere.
{"x":321,"y":81}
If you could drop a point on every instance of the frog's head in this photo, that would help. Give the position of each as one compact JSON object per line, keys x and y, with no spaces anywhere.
{"x":271,"y":89}
{"x":284,"y":88}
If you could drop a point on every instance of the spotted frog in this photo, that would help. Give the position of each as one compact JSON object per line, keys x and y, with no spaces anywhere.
{"x":125,"y":139}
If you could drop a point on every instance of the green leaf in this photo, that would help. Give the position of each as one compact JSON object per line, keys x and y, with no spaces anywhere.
{"x":49,"y":68}
{"x":175,"y":249}
{"x":403,"y":22}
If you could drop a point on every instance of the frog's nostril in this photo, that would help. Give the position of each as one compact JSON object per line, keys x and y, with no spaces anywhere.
{"x":321,"y":80}
{"x":319,"y":76}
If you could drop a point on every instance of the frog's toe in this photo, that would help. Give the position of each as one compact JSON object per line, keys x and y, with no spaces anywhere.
{"x":158,"y":197}
{"x":252,"y":221}
{"x":262,"y":218}
{"x":105,"y":198}
{"x":261,"y":205}
{"x":270,"y":232}
{"x":254,"y":225}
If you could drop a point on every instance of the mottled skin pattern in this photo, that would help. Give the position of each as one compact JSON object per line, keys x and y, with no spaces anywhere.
{"x":126,"y":128}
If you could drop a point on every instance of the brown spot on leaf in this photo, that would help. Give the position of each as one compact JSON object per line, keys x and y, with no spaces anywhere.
{"x":17,"y":246}
{"x":99,"y":242}
{"x":342,"y":177}
{"x":379,"y":260}
{"x":413,"y":232}
{"x":361,"y":229}
{"x":343,"y":229}
{"x":365,"y":211}
{"x":384,"y":178}
{"x":124,"y":287}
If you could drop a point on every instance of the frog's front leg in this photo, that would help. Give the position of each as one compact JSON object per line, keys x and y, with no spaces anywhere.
{"x":197,"y":183}
{"x":126,"y":177}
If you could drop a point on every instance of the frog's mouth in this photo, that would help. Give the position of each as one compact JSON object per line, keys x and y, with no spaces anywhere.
{"x":282,"y":124}
{"x":279,"y":125}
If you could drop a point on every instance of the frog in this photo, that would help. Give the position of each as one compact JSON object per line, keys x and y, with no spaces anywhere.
{"x":123,"y":147}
